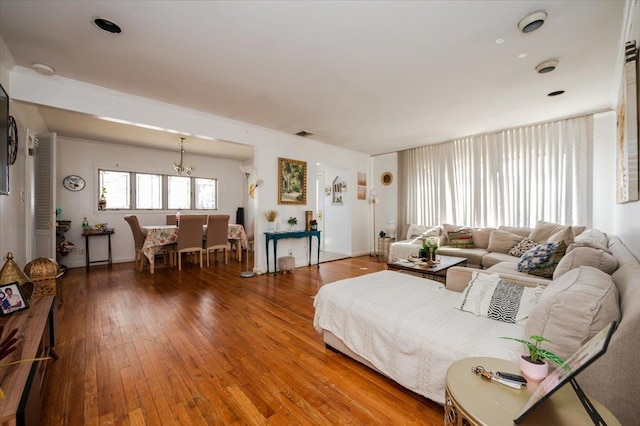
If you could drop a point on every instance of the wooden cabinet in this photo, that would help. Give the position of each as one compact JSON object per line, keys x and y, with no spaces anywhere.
{"x":22,"y":383}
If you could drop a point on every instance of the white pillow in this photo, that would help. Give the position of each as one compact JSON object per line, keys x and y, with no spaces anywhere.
{"x":487,"y":295}
{"x":415,"y":231}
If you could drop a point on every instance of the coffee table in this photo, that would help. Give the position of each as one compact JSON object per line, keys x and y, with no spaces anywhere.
{"x":437,"y":272}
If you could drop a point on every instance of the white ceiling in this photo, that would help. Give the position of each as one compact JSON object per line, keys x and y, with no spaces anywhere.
{"x":373,"y":76}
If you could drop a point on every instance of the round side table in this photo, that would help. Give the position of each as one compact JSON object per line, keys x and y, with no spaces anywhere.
{"x":473,"y":400}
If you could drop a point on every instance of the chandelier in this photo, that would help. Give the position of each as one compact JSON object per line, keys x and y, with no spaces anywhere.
{"x":179,"y":168}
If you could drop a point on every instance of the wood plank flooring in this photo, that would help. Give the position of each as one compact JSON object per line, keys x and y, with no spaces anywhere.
{"x":207,"y":347}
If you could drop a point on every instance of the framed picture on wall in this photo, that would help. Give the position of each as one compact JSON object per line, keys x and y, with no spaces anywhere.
{"x":292,"y":181}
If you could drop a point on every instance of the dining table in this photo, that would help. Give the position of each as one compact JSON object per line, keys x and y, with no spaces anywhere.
{"x":157,"y":236}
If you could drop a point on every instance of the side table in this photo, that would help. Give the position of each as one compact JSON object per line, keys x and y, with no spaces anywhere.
{"x":87,"y":235}
{"x":383,"y":246}
{"x":473,"y":400}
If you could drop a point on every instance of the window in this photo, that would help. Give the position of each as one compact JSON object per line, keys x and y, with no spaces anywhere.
{"x":148,"y":191}
{"x":157,"y":192}
{"x":118,"y":188}
{"x":206,"y":191}
{"x":179,"y":192}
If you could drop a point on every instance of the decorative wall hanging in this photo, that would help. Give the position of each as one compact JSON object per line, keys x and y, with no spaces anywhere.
{"x":338,"y":185}
{"x":13,"y":140}
{"x":292,"y":181}
{"x":386,"y":178}
{"x":74,"y":183}
{"x":362,"y":186}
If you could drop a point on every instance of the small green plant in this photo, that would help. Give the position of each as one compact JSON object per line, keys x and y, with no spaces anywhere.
{"x":271,"y":215}
{"x":536,"y":353}
{"x":292,"y":221}
{"x":431,"y":243}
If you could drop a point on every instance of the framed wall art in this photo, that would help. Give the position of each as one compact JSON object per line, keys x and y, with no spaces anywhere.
{"x":12,"y":299}
{"x":627,"y":185}
{"x":292,"y":181}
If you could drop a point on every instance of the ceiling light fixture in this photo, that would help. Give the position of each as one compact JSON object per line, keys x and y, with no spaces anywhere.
{"x":106,"y":25}
{"x":179,"y":168}
{"x":43,"y":69}
{"x":532,"y":21}
{"x":556,"y":93}
{"x":547,"y":66}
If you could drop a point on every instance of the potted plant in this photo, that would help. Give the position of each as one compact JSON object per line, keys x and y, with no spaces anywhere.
{"x":271,"y":216}
{"x":293,"y":221}
{"x":534,"y":365}
{"x":430,"y":247}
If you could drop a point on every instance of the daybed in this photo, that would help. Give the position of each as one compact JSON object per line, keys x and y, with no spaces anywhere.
{"x":408,"y":329}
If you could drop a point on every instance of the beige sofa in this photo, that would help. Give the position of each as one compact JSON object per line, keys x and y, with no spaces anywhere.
{"x":573,"y":306}
{"x":490,"y":245}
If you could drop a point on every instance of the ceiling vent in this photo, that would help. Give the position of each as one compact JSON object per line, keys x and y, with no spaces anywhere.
{"x":556,"y":93}
{"x":304,"y":133}
{"x":106,"y":25}
{"x":547,"y":66}
{"x":532,"y":21}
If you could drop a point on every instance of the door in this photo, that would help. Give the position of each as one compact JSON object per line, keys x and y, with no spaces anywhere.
{"x":44,"y":190}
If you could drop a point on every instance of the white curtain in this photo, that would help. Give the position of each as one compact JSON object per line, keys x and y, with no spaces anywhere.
{"x":514,"y":177}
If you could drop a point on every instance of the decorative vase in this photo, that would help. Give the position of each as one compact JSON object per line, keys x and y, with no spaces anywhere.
{"x":422,"y":254}
{"x":271,"y":226}
{"x":432,"y":255}
{"x":102,"y":202}
{"x":533,"y":371}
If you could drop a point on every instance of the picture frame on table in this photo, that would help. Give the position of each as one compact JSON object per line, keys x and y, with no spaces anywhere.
{"x":12,"y":299}
{"x":292,"y":181}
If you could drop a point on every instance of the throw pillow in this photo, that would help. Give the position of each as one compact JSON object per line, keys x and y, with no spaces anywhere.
{"x":481,"y":236}
{"x":537,"y":255}
{"x":489,"y":296}
{"x":522,"y":247}
{"x":461,"y":239}
{"x":544,"y":230}
{"x":573,"y":308}
{"x":562,"y":235}
{"x":502,"y":241}
{"x":548,"y":267}
{"x":586,"y":256}
{"x":594,"y":235}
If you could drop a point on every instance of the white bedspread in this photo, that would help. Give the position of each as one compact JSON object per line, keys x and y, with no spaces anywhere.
{"x":408,"y":329}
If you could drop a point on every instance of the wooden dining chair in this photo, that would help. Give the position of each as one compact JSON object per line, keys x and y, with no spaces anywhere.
{"x":138,"y":240}
{"x":171,"y":219}
{"x":189,"y":237}
{"x":217,"y":233}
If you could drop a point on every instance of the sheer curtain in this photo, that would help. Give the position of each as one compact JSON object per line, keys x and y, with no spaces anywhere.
{"x":514,"y":177}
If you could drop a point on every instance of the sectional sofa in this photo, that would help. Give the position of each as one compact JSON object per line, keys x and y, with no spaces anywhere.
{"x":412,"y":329}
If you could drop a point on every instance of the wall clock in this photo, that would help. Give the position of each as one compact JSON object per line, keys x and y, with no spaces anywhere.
{"x":73,"y":183}
{"x":386,"y":178}
{"x":13,"y":140}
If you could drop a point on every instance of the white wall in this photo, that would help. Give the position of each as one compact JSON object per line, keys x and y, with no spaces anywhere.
{"x":77,"y":96}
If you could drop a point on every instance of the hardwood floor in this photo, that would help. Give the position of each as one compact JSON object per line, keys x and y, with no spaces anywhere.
{"x":204,"y":346}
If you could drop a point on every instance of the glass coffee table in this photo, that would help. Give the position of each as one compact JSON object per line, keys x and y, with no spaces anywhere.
{"x":437,"y":272}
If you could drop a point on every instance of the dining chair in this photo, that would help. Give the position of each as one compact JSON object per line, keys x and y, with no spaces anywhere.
{"x":171,"y":219}
{"x":138,"y":242}
{"x":217,"y":236}
{"x":189,"y":237}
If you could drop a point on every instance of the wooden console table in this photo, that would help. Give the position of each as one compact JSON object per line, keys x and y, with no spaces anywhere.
{"x":275,"y":236}
{"x":22,"y":383}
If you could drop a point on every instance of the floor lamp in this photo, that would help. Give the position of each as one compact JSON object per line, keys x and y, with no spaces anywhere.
{"x":247,"y":273}
{"x":374,"y":201}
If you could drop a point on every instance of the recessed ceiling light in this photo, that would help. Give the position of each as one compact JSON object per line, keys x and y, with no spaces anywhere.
{"x":106,"y":25}
{"x":523,"y":55}
{"x":556,"y":93}
{"x":532,"y":22}
{"x":547,"y":66}
{"x":43,"y":69}
{"x":500,"y":41}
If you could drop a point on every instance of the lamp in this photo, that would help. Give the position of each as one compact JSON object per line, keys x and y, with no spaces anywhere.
{"x":179,"y":168}
{"x":248,"y":273}
{"x":253,"y":187}
{"x":374,"y":200}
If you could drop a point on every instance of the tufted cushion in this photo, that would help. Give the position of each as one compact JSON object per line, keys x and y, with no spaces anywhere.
{"x":502,"y":241}
{"x":573,"y":308}
{"x":586,"y":256}
{"x":522,"y":247}
{"x":537,"y":256}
